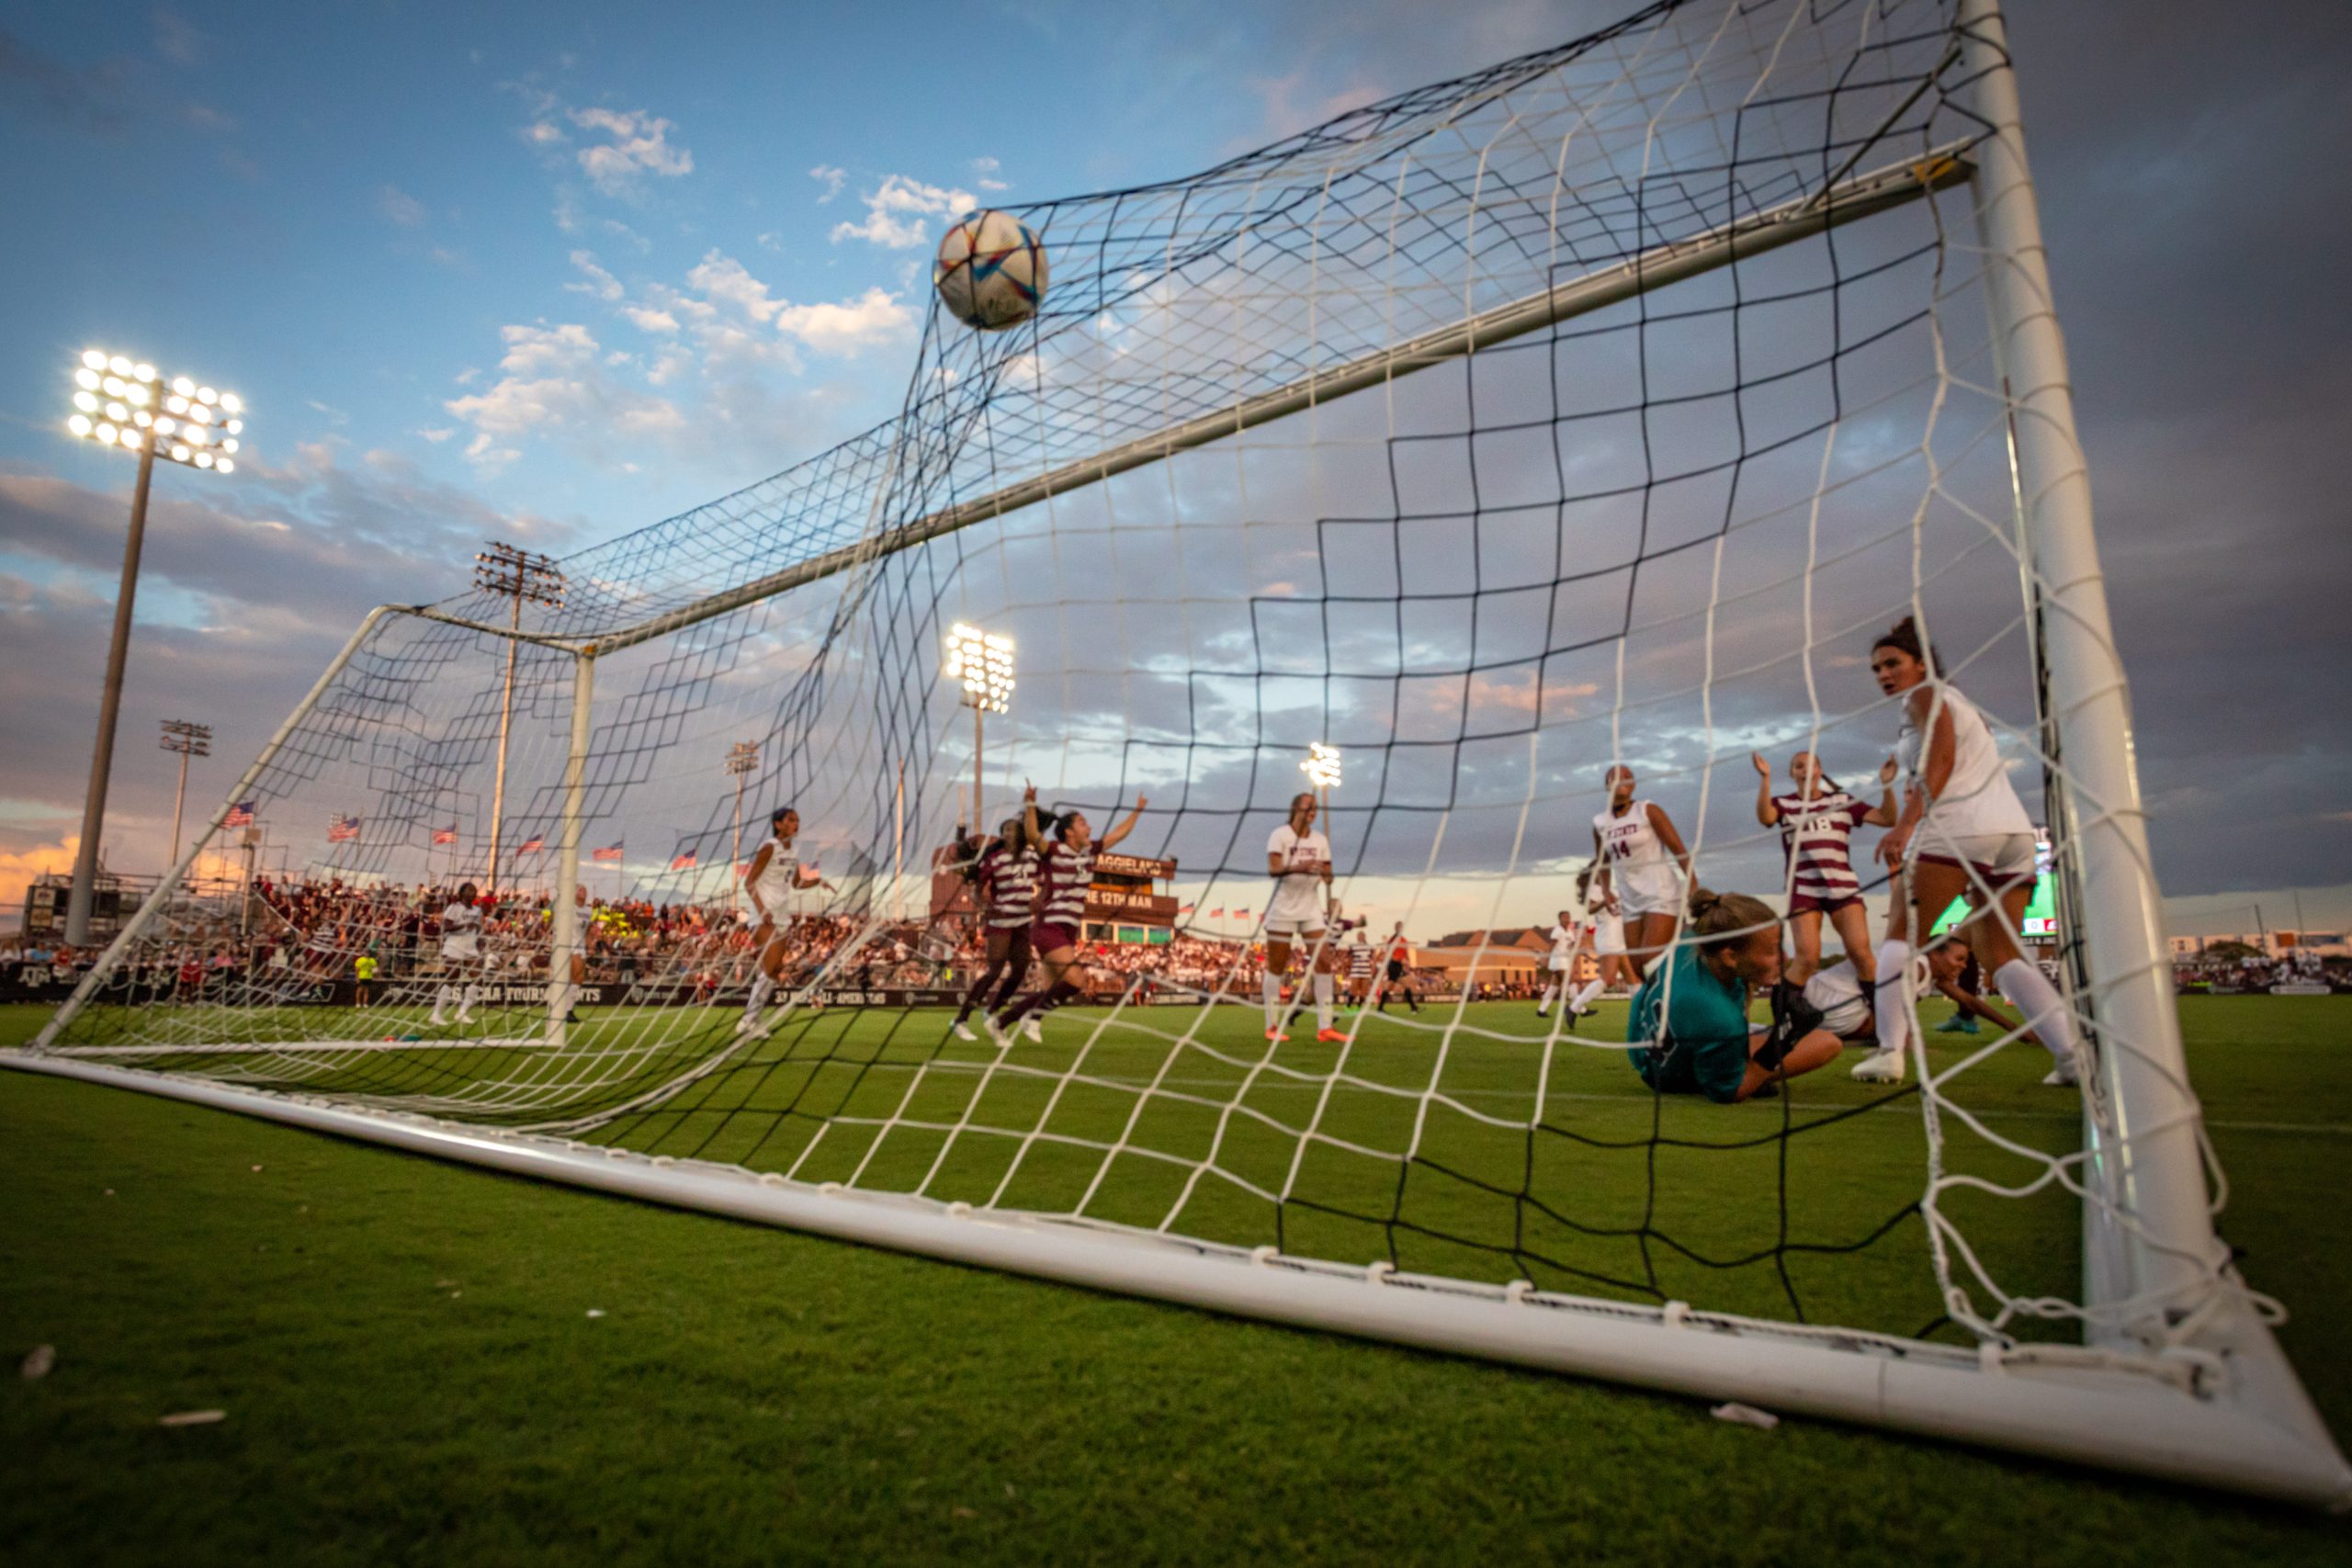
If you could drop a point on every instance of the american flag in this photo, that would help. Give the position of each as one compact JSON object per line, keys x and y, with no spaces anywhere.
{"x":446,"y":835}
{"x":683,"y":860}
{"x":1217,"y":913}
{"x":342,"y":829}
{"x":240,"y":815}
{"x":1240,"y":914}
{"x":1183,"y":908}
{"x":610,"y":851}
{"x":532,"y":845}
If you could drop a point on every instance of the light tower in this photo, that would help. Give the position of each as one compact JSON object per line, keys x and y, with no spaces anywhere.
{"x":519,"y":576}
{"x":189,"y":740}
{"x":1322,"y":771}
{"x":126,"y":404}
{"x":742,"y":761}
{"x":983,"y":662}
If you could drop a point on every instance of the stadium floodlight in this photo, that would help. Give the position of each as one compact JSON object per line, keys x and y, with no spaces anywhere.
{"x":519,"y":576}
{"x":189,"y":740}
{"x":742,"y":761}
{"x":982,"y":661}
{"x":1322,"y":770}
{"x":114,"y":398}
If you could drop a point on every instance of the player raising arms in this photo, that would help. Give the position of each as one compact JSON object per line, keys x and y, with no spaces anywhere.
{"x":1816,"y":820}
{"x":1299,"y":860}
{"x":1644,"y":868}
{"x":1963,"y":832}
{"x":1065,"y":871}
{"x":769,"y":881}
{"x":460,"y":955}
{"x":1005,"y":877}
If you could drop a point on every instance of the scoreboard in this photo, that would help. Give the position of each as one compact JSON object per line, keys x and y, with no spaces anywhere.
{"x":1125,"y":890}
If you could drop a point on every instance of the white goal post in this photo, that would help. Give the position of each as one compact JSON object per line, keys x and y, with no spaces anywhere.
{"x":2181,"y":1376}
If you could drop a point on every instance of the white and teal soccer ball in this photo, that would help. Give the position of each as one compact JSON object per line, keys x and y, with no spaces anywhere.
{"x":991,"y":271}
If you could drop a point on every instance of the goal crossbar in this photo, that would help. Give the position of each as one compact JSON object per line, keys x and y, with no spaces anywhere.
{"x":1785,"y":224}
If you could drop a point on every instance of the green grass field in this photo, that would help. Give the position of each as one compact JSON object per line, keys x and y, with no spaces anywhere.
{"x":405,"y":1352}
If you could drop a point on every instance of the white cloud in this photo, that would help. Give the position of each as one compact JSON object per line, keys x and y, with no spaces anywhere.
{"x":552,"y":382}
{"x":437,"y":434}
{"x":985,"y":166}
{"x":897,"y":213}
{"x":399,"y":207}
{"x":600,"y":283}
{"x":545,"y":133}
{"x":832,"y":178}
{"x":646,"y":320}
{"x":723,"y":278}
{"x":847,"y":327}
{"x":639,"y":145}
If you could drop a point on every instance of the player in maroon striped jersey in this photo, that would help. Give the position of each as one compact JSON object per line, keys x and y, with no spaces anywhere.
{"x":1066,"y":873}
{"x":1005,"y":878}
{"x":1816,"y":820}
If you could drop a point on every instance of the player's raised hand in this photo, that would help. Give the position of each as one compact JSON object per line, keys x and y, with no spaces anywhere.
{"x":1887,"y":770}
{"x":1763,"y":768}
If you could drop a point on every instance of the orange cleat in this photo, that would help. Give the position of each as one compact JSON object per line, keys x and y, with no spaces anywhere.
{"x":1331,"y":1037}
{"x":1276,"y":1035}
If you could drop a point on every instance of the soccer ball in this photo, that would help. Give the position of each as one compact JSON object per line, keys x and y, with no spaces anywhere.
{"x":991,"y":271}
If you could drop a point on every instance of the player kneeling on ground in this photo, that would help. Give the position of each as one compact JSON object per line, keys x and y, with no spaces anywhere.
{"x":1299,"y":860}
{"x":1690,"y":1032}
{"x":1951,"y":968}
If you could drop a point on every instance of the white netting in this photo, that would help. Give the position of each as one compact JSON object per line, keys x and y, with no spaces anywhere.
{"x":1238,"y":490}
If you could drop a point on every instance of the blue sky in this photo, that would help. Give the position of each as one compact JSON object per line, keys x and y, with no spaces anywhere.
{"x":548,"y":273}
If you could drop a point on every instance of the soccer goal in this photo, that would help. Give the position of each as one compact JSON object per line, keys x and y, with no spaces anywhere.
{"x":1600,"y":408}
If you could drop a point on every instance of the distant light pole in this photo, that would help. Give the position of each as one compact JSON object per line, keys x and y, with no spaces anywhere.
{"x":983,"y":662}
{"x":189,"y":740}
{"x":128,"y":405}
{"x":742,"y":761}
{"x":518,"y":576}
{"x":1322,"y":771}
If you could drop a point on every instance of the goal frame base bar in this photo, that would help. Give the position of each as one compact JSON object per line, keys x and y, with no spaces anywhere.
{"x":2260,"y":1436}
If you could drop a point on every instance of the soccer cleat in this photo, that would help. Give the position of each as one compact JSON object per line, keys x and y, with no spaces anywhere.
{"x":1879,"y":1066}
{"x":2062,"y":1076}
{"x":1331,"y":1037}
{"x":436,"y":1021}
{"x":1276,"y":1035}
{"x":1034,"y":1030}
{"x":748,"y":1022}
{"x":1958,"y":1024}
{"x":1002,"y":1040}
{"x":964,"y":1031}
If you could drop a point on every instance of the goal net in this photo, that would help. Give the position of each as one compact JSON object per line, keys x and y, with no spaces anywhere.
{"x":1601,"y":407}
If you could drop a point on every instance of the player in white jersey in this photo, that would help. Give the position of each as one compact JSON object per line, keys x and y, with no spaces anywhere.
{"x":1299,"y":860}
{"x":1644,"y":868}
{"x":1567,"y":939}
{"x":769,"y":881}
{"x":460,"y":957}
{"x":1962,"y":833}
{"x":1950,"y":966}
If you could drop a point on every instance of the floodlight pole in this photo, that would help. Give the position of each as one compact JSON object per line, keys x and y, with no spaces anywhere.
{"x":520,"y":575}
{"x":189,"y":740}
{"x":742,"y":758}
{"x":94,"y":803}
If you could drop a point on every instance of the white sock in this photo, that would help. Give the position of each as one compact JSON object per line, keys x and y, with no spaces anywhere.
{"x":1322,"y":1000}
{"x":761,"y":987}
{"x":1544,"y":1002}
{"x":1892,"y":995}
{"x":443,"y":997}
{"x":2046,"y":1013}
{"x":1591,"y":989}
{"x":473,"y":995}
{"x":1271,"y":985}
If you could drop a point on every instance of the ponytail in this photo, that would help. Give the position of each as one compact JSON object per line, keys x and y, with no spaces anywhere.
{"x":1718,"y":919}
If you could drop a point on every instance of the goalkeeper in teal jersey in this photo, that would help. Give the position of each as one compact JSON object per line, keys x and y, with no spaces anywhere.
{"x":1690,"y":1032}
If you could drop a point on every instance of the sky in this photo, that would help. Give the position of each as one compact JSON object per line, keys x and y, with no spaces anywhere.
{"x":548,"y":273}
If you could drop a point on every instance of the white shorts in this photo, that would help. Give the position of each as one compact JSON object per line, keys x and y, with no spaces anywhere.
{"x":1286,"y":925}
{"x":1560,"y":966}
{"x":1609,"y":935}
{"x":1997,"y":859}
{"x":462,"y":950}
{"x":1649,"y":896}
